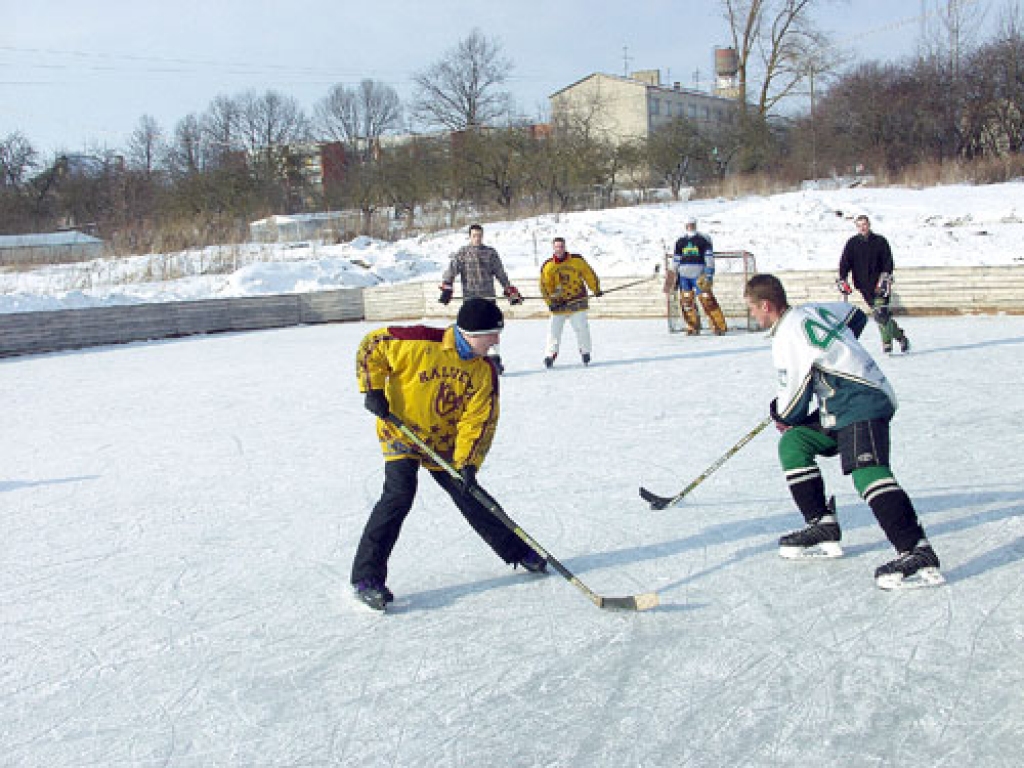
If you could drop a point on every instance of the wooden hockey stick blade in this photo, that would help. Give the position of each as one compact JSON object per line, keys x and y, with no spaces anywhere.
{"x":642,"y":602}
{"x":656,"y":501}
{"x":660,"y":502}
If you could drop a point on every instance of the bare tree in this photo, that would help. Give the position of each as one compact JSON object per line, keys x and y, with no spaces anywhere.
{"x":186,"y":152}
{"x":584,"y":154}
{"x":17,"y":157}
{"x":995,"y":90}
{"x":678,"y":154}
{"x":270,"y":121}
{"x":409,"y":172}
{"x":267,"y":125}
{"x":956,"y":122}
{"x":951,"y":31}
{"x":772,"y":39}
{"x":145,"y":145}
{"x":460,"y":91}
{"x":358,"y":117}
{"x":222,"y":126}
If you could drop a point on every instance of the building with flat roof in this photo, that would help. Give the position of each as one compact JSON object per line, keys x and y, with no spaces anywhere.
{"x":629,"y":108}
{"x":48,"y":248}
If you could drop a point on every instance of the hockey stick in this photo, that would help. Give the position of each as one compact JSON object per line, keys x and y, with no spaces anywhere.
{"x":673,"y":311}
{"x":641,"y":602}
{"x":657,"y":269}
{"x":660,"y":502}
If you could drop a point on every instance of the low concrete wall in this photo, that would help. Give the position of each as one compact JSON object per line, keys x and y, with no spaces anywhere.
{"x":34,"y":332}
{"x":918,"y":291}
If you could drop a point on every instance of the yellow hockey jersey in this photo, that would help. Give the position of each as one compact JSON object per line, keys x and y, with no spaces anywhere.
{"x":451,"y":403}
{"x":563,"y":284}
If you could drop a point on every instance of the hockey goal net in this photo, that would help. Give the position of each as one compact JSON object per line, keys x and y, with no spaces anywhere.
{"x":732,"y":270}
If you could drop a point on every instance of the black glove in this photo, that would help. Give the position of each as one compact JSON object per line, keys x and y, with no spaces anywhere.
{"x":446,"y":294}
{"x":377,"y":403}
{"x":773,"y":411}
{"x":468,"y":475}
{"x":884,"y":285}
{"x":514,"y":296}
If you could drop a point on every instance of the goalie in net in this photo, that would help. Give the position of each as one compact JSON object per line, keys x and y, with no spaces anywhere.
{"x":732,"y":270}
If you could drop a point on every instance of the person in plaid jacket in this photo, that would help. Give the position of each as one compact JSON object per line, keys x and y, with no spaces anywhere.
{"x":478,"y":266}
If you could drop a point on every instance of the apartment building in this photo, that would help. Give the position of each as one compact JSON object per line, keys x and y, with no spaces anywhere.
{"x":629,"y":108}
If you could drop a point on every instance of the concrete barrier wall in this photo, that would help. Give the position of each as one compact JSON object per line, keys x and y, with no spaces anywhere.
{"x":34,"y":332}
{"x":917,"y":291}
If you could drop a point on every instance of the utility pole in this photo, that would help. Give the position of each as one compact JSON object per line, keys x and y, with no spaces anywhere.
{"x":625,"y":61}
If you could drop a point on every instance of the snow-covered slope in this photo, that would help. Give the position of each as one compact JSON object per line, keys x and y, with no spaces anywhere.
{"x":953,"y":225}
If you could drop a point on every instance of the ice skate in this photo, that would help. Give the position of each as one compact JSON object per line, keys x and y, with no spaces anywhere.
{"x":911,"y":570}
{"x":819,"y":539}
{"x":373,"y":594}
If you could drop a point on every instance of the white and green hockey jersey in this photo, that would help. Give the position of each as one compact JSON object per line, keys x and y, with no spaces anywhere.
{"x":817,"y":356}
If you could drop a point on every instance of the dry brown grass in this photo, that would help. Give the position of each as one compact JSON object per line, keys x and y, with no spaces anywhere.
{"x":742,"y":185}
{"x":186,"y":234}
{"x":989,"y":170}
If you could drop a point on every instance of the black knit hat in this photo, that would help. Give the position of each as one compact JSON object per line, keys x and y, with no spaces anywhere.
{"x":479,"y":316}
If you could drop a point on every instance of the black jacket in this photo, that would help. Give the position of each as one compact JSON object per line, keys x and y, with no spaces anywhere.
{"x":867,"y":257}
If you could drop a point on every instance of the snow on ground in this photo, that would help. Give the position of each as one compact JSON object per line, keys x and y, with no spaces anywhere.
{"x":953,"y":225}
{"x":179,"y":520}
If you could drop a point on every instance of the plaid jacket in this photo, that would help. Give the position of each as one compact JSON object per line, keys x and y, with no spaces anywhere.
{"x":478,"y":266}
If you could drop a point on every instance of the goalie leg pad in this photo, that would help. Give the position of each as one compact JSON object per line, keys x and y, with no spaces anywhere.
{"x":714,"y":312}
{"x":689,"y":306}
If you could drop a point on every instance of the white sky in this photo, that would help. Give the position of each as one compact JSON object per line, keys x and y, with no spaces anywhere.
{"x":75,"y":75}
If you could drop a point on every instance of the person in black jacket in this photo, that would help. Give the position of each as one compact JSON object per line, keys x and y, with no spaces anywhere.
{"x":869,"y":257}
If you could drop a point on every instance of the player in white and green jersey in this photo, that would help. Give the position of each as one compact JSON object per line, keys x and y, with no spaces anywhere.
{"x":819,"y":361}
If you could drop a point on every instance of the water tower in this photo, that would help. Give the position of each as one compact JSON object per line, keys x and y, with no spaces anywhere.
{"x":727,"y":64}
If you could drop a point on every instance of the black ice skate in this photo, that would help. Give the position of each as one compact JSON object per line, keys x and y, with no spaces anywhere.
{"x":819,"y":539}
{"x":917,"y":568}
{"x":373,"y":594}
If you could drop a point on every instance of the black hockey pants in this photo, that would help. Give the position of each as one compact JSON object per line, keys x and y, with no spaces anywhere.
{"x":385,"y":523}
